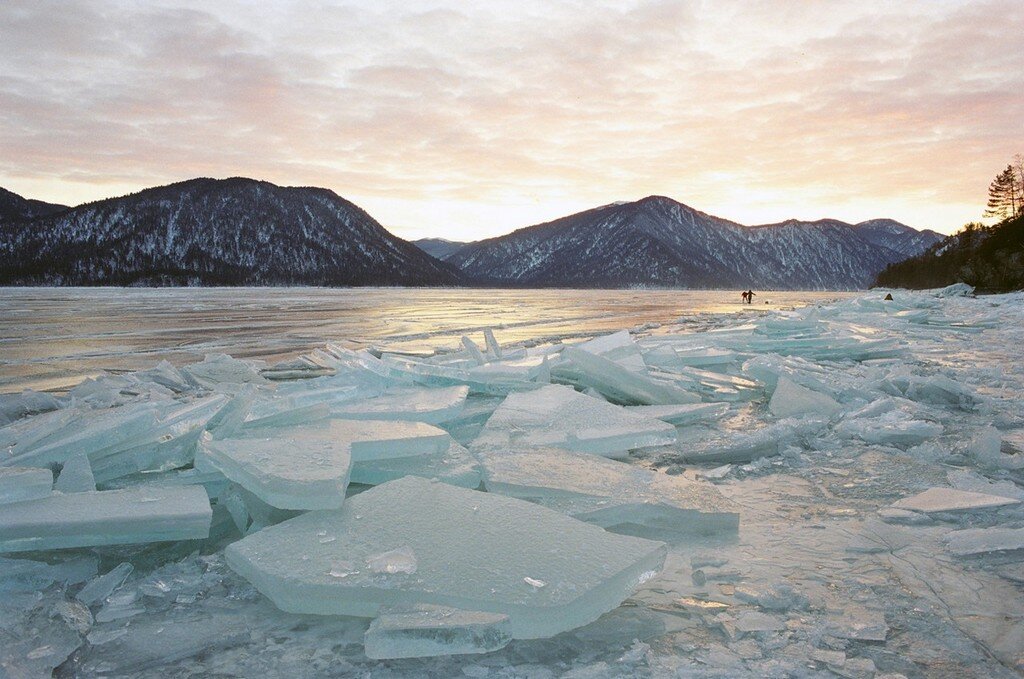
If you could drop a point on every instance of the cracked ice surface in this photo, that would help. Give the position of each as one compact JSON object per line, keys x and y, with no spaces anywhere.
{"x":872,"y":449}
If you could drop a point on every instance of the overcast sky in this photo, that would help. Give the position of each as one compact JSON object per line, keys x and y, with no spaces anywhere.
{"x":469,"y":119}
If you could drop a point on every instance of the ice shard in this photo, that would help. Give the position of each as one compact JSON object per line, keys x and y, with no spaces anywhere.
{"x":18,"y":484}
{"x":561,"y":417}
{"x":618,"y":383}
{"x":424,"y":630}
{"x":792,"y":400}
{"x":473,"y":551}
{"x":76,"y":476}
{"x":952,"y":500}
{"x":619,"y":497}
{"x":106,"y":518}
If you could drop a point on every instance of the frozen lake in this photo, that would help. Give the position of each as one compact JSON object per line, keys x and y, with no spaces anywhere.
{"x":869,"y":452}
{"x":51,"y":338}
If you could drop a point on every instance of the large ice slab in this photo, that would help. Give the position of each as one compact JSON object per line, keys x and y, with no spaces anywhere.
{"x":18,"y":484}
{"x":309,"y":466}
{"x":106,"y":518}
{"x":423,"y":631}
{"x":413,"y":541}
{"x":619,"y":497}
{"x":432,"y":406}
{"x":984,"y":540}
{"x":952,"y":500}
{"x":455,"y":465}
{"x":617,"y":382}
{"x":559,"y":416}
{"x":297,"y":468}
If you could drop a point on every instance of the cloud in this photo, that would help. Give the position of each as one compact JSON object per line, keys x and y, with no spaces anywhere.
{"x":753,"y":110}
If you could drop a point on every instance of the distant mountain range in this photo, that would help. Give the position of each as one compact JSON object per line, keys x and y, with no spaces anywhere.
{"x":246,"y":232}
{"x":659,"y":242}
{"x":214,"y":232}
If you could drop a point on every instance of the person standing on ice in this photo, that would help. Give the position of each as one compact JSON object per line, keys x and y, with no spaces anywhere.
{"x":743,"y":296}
{"x":750,"y":296}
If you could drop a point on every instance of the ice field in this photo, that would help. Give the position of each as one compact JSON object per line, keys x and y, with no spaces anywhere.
{"x":830,"y":490}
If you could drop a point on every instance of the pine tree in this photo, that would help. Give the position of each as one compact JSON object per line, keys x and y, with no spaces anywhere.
{"x":1003,"y":195}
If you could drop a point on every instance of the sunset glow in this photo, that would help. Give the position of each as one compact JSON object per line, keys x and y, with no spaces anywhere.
{"x":468,"y":120}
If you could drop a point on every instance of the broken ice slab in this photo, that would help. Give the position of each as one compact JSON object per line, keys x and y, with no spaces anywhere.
{"x":704,"y":357}
{"x":717,"y":386}
{"x":618,"y":347}
{"x":106,"y":518}
{"x":495,"y":378}
{"x":217,"y":369}
{"x":616,"y":382}
{"x":455,"y":465}
{"x":619,"y":497}
{"x":792,"y":400}
{"x":559,"y":416}
{"x":987,"y":448}
{"x":423,"y":630}
{"x":859,"y":624}
{"x":764,"y":442}
{"x":308,"y":467}
{"x":475,"y":551}
{"x":494,"y":351}
{"x":432,"y":406}
{"x":16,"y":406}
{"x":683,"y":413}
{"x":94,"y":432}
{"x":18,"y":484}
{"x":296,"y":468}
{"x":941,"y":390}
{"x":895,"y":428}
{"x":984,"y":540}
{"x":76,"y":476}
{"x":100,"y":587}
{"x":952,"y":500}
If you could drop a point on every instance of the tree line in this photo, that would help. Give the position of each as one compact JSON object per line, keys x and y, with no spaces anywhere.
{"x":991,"y":258}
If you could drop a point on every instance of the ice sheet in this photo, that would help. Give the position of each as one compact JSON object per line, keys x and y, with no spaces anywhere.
{"x":106,"y":518}
{"x":619,"y":497}
{"x":547,"y":572}
{"x":560,"y":416}
{"x":18,"y":484}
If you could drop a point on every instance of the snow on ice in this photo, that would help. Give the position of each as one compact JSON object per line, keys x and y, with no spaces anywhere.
{"x":832,"y":490}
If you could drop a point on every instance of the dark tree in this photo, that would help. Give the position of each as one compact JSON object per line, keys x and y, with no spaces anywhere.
{"x":1004,"y":195}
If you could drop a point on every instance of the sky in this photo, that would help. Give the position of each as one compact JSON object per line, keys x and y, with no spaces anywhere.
{"x":465,"y":120}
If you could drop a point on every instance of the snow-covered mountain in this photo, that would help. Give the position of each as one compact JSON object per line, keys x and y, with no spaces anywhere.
{"x":215,"y":232}
{"x":899,"y":237}
{"x":657,"y":241}
{"x":441,"y":248}
{"x":15,"y":208}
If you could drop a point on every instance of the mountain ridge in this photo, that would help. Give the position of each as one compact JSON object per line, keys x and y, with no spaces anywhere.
{"x":204,"y":231}
{"x":662,"y":242}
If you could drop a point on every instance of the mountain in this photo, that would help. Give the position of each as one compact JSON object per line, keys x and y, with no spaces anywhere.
{"x":15,"y":208}
{"x":215,"y":232}
{"x":991,"y":258}
{"x":439,"y":247}
{"x":898,"y":237}
{"x":659,"y":242}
